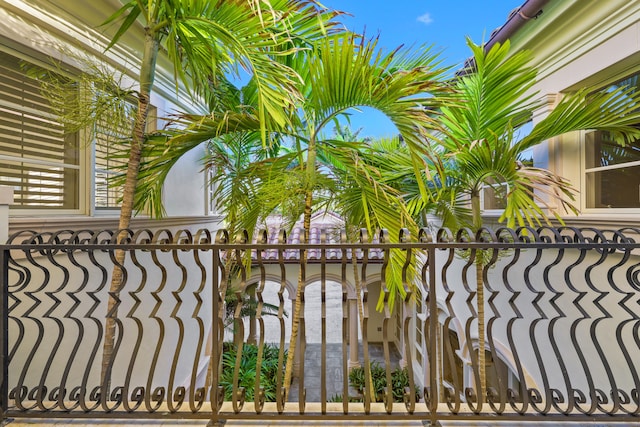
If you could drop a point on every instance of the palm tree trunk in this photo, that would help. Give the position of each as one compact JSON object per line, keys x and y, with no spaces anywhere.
{"x":147,"y":74}
{"x":295,"y":320}
{"x":297,"y":308}
{"x":481,"y":331}
{"x":477,"y":223}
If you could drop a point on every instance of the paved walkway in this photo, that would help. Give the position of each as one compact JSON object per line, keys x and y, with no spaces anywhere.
{"x":312,"y":371}
{"x":313,"y":333}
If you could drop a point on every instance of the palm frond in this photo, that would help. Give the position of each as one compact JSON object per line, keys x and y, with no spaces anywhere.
{"x":617,"y":112}
{"x":495,"y":99}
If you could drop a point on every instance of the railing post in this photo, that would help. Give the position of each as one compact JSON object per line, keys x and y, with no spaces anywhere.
{"x":433,"y":330}
{"x":4,"y":334}
{"x":6,"y":199}
{"x":354,"y":359}
{"x":214,"y":358}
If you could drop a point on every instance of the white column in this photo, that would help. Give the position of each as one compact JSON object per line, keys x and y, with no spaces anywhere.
{"x":6,"y":199}
{"x":354,"y":360}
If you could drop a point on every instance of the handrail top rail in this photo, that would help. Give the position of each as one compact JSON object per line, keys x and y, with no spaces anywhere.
{"x":324,"y":246}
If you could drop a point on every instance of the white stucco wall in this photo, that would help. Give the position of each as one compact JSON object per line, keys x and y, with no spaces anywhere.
{"x":184,"y":191}
{"x":573,"y":333}
{"x":61,"y":305}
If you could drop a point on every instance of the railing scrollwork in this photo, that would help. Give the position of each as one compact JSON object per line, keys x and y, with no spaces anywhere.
{"x":506,"y":323}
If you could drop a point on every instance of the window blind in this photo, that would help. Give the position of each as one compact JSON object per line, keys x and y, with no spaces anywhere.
{"x":109,"y":161}
{"x":111,"y":152}
{"x":37,"y":157}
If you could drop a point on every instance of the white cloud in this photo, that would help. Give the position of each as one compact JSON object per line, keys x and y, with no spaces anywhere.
{"x":425,"y":19}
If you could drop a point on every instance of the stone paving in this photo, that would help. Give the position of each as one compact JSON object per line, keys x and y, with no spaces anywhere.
{"x":312,"y":371}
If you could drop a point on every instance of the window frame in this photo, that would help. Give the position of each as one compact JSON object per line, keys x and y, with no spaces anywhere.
{"x":86,"y":168}
{"x":584,"y":171}
{"x":28,"y":55}
{"x":604,"y":84}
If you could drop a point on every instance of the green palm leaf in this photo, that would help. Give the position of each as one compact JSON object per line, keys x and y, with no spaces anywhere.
{"x":494,"y":99}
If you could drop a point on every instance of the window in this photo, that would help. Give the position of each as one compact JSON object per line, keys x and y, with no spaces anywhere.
{"x":41,"y":159}
{"x":612,"y":172}
{"x":419,"y":332}
{"x":106,"y":148}
{"x":499,"y":375}
{"x":494,"y":196}
{"x":111,"y":155}
{"x":211,"y":190}
{"x":37,"y":157}
{"x":419,"y":322}
{"x":399,"y":319}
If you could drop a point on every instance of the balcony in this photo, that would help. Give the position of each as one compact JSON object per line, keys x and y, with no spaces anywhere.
{"x":557,"y":322}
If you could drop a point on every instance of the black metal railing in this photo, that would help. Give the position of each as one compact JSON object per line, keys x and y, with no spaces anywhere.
{"x":554,"y":310}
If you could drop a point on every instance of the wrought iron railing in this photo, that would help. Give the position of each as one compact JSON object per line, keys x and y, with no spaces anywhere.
{"x":560,"y":310}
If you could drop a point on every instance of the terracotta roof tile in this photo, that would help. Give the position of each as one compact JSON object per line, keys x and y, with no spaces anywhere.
{"x":330,"y":223}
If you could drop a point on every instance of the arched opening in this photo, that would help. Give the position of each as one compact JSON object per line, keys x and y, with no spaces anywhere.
{"x":499,"y":375}
{"x":457,"y":373}
{"x":313,"y":306}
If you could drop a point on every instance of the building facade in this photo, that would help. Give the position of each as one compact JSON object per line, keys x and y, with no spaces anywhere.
{"x":578,"y":44}
{"x":575,"y":45}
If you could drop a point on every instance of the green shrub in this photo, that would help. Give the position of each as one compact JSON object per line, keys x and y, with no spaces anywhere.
{"x":336,"y":398}
{"x":379,"y":378}
{"x":357,"y":378}
{"x":399,"y":380}
{"x":247,"y":372}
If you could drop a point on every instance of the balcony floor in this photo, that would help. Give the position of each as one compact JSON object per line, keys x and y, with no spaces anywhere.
{"x":307,"y":423}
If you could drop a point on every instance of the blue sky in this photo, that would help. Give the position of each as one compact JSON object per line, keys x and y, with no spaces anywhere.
{"x":413,"y":23}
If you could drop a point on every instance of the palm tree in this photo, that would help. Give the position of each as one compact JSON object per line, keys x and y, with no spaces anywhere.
{"x":205,"y":40}
{"x":248,"y":309}
{"x":479,"y":147}
{"x":347,"y":73}
{"x":340,"y":73}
